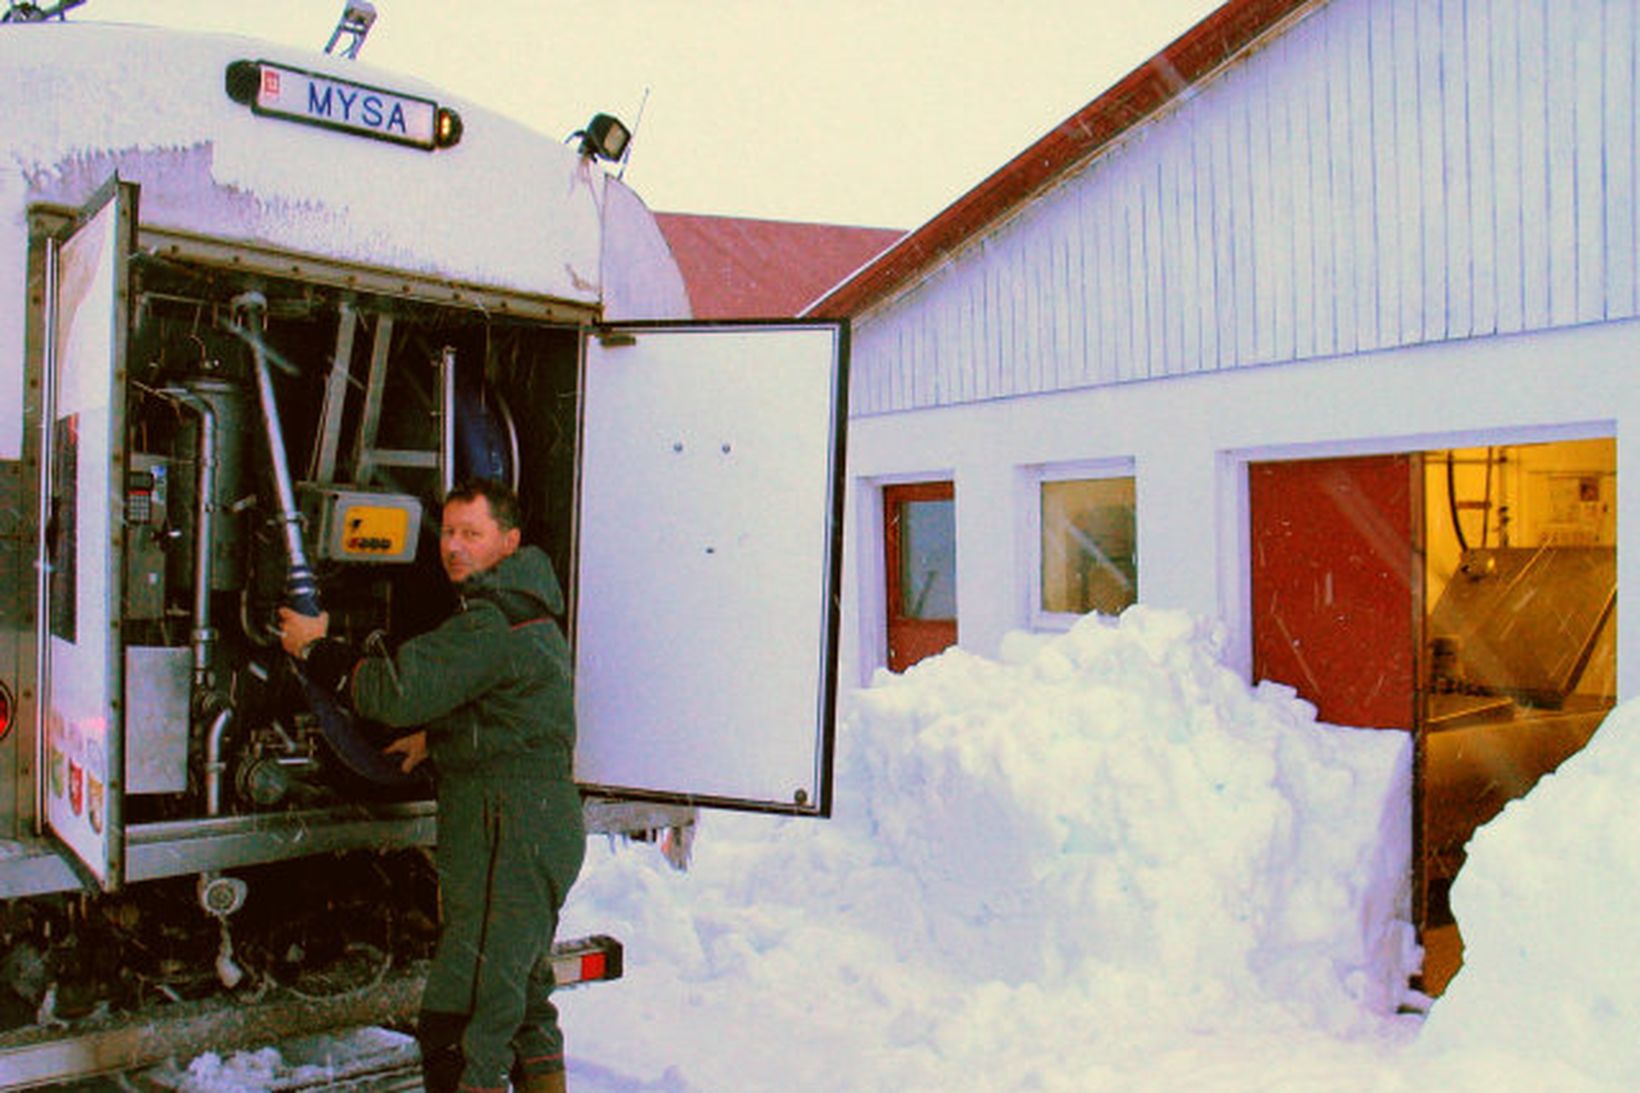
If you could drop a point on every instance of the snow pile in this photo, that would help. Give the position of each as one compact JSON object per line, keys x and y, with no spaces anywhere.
{"x":1116,"y":799}
{"x":243,"y":1070}
{"x":326,"y":1061}
{"x":1107,"y":863}
{"x":1055,"y":865}
{"x":1545,"y":902}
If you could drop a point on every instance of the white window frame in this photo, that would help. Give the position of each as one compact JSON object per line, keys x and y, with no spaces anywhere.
{"x":1035,"y":476}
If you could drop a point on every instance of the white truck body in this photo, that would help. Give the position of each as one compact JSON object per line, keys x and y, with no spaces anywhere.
{"x":703,"y":548}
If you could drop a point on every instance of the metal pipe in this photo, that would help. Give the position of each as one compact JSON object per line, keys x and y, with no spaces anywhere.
{"x":214,"y":766}
{"x":203,"y":637}
{"x":301,"y":586}
{"x":447,"y":420}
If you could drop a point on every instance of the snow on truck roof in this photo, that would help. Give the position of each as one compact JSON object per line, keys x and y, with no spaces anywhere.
{"x":505,"y":206}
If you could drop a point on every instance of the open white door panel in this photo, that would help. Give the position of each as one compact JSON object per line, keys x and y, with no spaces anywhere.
{"x":83,"y":479}
{"x":706,"y":609}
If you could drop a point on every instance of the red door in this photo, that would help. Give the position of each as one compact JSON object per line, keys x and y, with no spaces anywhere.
{"x":920,"y":546}
{"x":1337,"y":583}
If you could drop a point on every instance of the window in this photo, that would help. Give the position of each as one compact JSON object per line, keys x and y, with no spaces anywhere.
{"x":1088,"y":559}
{"x":920,"y":552}
{"x":927,"y":559}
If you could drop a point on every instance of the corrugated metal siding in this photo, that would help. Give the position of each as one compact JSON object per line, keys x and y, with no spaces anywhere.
{"x":1385,"y":173}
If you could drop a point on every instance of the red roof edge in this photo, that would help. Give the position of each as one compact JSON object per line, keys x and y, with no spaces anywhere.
{"x":1192,"y":56}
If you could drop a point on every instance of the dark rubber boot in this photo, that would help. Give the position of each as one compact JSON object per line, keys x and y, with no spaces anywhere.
{"x":439,"y":1035}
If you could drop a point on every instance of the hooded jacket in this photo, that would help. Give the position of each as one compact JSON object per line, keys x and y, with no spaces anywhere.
{"x":492,"y":685}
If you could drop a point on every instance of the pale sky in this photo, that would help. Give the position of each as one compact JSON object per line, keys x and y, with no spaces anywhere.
{"x":871,"y":112}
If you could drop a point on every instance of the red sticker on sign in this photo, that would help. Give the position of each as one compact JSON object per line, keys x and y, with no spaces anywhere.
{"x":270,"y":82}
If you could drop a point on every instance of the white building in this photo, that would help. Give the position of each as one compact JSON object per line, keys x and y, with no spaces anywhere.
{"x":1323,"y":323}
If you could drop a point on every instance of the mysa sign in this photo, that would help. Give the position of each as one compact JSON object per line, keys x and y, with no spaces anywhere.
{"x":315,"y":99}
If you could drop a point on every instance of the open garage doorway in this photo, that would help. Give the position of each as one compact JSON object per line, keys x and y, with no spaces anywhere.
{"x":1466,"y":595}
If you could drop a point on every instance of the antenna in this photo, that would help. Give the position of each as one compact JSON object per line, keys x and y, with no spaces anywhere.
{"x":638,"y":121}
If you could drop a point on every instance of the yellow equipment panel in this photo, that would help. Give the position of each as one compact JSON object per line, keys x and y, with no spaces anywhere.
{"x":355,"y":526}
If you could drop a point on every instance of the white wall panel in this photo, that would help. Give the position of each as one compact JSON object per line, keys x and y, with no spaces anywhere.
{"x":1384,"y":173}
{"x":1189,"y":439}
{"x":1619,"y":32}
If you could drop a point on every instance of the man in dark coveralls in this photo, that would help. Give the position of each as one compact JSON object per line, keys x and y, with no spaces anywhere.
{"x":490,"y":689}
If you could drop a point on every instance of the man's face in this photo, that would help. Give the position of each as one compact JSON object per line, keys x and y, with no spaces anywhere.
{"x":470,"y":541}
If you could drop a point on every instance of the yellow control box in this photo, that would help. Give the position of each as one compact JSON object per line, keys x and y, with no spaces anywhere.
{"x":358,"y":526}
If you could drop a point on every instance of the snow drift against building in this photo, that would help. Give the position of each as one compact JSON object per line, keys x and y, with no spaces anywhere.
{"x":1059,"y":862}
{"x":1105,"y":862}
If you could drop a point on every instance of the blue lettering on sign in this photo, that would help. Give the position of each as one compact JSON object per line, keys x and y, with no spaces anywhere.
{"x":338,"y":104}
{"x":335,"y":103}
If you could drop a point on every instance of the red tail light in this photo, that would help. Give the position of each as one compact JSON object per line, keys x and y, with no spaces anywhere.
{"x":587,"y":960}
{"x":5,"y":712}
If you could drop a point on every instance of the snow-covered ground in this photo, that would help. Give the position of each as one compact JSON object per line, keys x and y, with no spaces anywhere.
{"x":1105,"y":862}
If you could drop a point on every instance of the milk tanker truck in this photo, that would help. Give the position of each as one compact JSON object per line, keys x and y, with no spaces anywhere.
{"x":260,"y":308}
